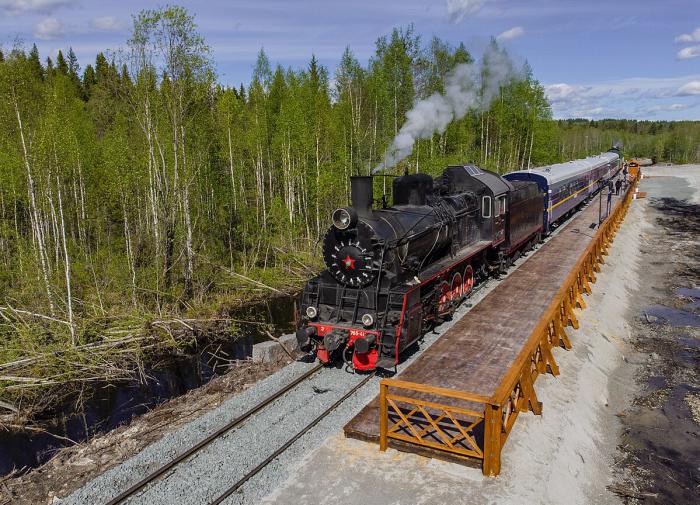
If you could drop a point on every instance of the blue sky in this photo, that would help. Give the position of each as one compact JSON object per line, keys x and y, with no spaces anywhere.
{"x":615,"y":58}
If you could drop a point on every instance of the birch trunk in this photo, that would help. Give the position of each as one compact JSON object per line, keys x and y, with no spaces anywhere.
{"x":36,"y":223}
{"x":230,"y":166}
{"x":66,"y":263}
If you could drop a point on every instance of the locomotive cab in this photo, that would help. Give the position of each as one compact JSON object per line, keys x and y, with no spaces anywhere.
{"x":491,"y":191}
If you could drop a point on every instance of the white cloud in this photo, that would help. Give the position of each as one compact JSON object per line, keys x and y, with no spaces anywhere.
{"x":691,"y":88}
{"x":106,"y":23}
{"x":655,"y":109}
{"x":593,"y":111}
{"x":511,"y":34}
{"x":48,"y":29}
{"x":635,"y":97}
{"x":33,"y":6}
{"x":689,"y":37}
{"x":688,"y":52}
{"x":563,"y":92}
{"x":458,"y":9}
{"x":569,"y":94}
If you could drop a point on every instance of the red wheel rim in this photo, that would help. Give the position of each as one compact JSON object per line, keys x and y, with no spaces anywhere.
{"x":468,"y":280}
{"x":457,"y":286}
{"x":445,"y":297}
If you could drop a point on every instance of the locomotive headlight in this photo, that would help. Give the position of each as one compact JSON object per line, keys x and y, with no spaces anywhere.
{"x":344,"y":218}
{"x":367,"y":320}
{"x":311,"y":312}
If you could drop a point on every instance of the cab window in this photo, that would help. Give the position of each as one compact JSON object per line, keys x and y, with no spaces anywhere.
{"x":486,"y":206}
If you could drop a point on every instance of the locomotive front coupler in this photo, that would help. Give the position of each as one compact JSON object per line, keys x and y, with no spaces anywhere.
{"x":363,"y":344}
{"x":304,"y":336}
{"x":334,"y":341}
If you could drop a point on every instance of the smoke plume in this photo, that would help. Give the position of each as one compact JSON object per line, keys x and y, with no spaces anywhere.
{"x":467,"y":86}
{"x":458,"y":9}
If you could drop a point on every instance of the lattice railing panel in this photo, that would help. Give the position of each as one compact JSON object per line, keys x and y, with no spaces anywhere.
{"x":441,"y":427}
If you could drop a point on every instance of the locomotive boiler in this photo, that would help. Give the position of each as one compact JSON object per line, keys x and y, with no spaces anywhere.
{"x":394,"y":271}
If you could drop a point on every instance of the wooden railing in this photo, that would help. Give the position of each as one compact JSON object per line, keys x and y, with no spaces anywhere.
{"x":450,"y":428}
{"x":466,"y":425}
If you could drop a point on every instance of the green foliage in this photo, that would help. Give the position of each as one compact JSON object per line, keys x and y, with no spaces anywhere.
{"x":172,"y":187}
{"x":670,"y":141}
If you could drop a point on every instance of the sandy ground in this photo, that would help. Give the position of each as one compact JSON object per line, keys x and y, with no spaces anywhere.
{"x":569,"y":454}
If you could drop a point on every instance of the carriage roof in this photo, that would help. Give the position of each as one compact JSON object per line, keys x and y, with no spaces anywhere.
{"x":562,"y":171}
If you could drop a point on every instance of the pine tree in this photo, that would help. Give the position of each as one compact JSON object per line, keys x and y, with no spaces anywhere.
{"x":50,"y":70}
{"x":314,"y":76}
{"x":73,"y":66}
{"x":35,"y":63}
{"x":461,"y":55}
{"x":124,"y":76}
{"x":277,"y":91}
{"x":88,"y":82}
{"x":73,"y":71}
{"x":61,"y":64}
{"x":103,"y":72}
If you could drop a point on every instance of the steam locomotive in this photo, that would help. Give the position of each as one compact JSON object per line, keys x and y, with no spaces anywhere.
{"x":394,"y":272}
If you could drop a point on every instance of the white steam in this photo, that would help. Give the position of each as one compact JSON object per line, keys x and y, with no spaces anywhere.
{"x":468,"y":86}
{"x":458,"y":9}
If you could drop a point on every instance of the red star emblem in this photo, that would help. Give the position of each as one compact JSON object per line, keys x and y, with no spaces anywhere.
{"x":349,"y":262}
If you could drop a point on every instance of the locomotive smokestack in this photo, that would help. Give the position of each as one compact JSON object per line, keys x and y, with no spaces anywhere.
{"x":361,"y":194}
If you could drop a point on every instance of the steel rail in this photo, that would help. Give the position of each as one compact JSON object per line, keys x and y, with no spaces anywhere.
{"x":237,"y":421}
{"x":289,"y":442}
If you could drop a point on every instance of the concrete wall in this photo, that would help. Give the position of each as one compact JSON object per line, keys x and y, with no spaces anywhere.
{"x":270,"y":352}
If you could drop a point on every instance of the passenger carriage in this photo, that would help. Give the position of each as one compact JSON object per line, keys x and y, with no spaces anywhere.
{"x":565,"y":186}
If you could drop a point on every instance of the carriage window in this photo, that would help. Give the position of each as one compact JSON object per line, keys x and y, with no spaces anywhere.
{"x":486,"y":206}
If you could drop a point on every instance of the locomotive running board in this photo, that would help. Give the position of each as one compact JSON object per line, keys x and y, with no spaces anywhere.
{"x":463,"y":254}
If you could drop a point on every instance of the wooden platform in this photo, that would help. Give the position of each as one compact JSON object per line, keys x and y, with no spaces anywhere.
{"x":461,"y":397}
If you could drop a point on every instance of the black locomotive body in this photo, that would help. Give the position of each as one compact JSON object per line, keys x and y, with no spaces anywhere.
{"x":392,"y":272}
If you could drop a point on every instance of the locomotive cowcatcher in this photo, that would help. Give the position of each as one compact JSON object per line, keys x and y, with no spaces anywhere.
{"x":394,"y":272}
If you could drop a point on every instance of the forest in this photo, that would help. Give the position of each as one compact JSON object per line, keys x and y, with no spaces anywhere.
{"x":140,"y":198}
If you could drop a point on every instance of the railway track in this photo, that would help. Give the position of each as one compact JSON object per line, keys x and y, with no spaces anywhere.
{"x":151,"y":479}
{"x":289,"y":442}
